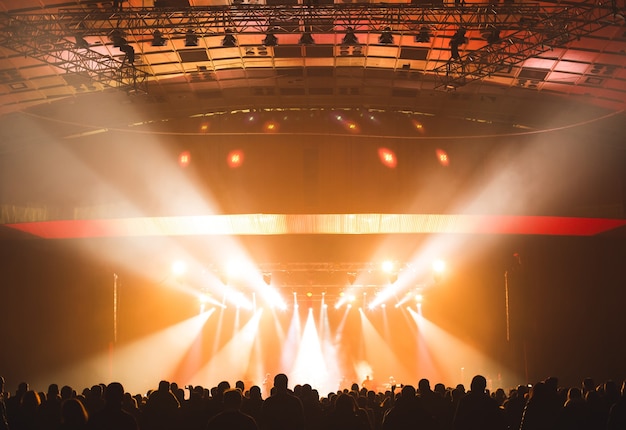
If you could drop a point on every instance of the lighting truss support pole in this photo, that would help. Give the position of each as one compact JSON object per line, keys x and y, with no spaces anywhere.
{"x":113,"y":341}
{"x":506,"y":305}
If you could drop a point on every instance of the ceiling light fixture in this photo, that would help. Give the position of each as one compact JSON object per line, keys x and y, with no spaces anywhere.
{"x":424,"y":35}
{"x":350,"y":38}
{"x":306,"y":39}
{"x":158,"y":39}
{"x":386,"y":37}
{"x":229,"y":39}
{"x":191,"y":38}
{"x":270,"y":39}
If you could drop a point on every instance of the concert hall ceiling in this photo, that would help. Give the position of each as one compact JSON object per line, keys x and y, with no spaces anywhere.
{"x":426,"y":75}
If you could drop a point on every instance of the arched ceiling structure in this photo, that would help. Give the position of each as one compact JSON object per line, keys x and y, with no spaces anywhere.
{"x":94,"y":73}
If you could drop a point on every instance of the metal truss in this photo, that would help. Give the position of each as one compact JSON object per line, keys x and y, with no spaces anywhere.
{"x":324,"y":275}
{"x":526,"y":30}
{"x":539,"y":33}
{"x":40,"y":42}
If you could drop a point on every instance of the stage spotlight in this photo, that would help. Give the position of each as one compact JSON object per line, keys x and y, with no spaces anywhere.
{"x":492,"y":36}
{"x":306,"y":39}
{"x":158,"y":39}
{"x":235,"y":158}
{"x":388,"y":266}
{"x":439,"y":266}
{"x":350,"y":38}
{"x":351,"y":277}
{"x":81,"y":43}
{"x":387,"y":157}
{"x":191,"y":38}
{"x":179,"y":268}
{"x":442,"y":157}
{"x":184,"y":159}
{"x":270,"y":39}
{"x":229,"y":39}
{"x":386,"y":38}
{"x":267,"y":278}
{"x":424,"y":35}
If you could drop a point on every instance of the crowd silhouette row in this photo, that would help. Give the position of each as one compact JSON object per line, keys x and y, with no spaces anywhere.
{"x":544,"y":406}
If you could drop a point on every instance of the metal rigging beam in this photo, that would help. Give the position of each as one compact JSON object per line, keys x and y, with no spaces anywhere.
{"x":57,"y":50}
{"x":524,"y":29}
{"x":539,"y":33}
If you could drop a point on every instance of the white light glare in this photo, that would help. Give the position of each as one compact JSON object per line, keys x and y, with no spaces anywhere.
{"x":179,"y":268}
{"x":387,"y":266}
{"x":237,"y":268}
{"x":439,"y":266}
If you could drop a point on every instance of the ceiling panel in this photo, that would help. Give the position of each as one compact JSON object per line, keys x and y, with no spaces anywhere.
{"x":585,"y":62}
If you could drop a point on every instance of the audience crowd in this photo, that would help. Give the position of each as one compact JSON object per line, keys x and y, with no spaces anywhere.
{"x":545,"y":405}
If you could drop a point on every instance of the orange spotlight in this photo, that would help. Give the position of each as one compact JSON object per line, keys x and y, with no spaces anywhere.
{"x":418,"y":126}
{"x":271,"y":126}
{"x":235,"y":158}
{"x":184,"y":159}
{"x":352,"y":126}
{"x":309,"y":294}
{"x":442,"y":157}
{"x":204,"y":127}
{"x":387,"y":157}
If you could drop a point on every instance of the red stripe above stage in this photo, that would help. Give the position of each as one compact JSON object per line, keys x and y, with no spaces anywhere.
{"x":346,"y":224}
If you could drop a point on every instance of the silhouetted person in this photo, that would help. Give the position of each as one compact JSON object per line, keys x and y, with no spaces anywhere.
{"x":574,"y":414}
{"x":477,"y":410}
{"x":253,"y":404}
{"x":408,"y":413}
{"x":67,"y":393}
{"x":368,"y":383}
{"x":112,"y":416}
{"x":73,"y":415}
{"x":344,"y":415}
{"x":4,"y":422}
{"x":194,"y":411}
{"x":587,"y":385}
{"x":617,"y":413}
{"x":311,"y":406}
{"x":216,"y":402}
{"x":539,"y":413}
{"x":161,"y":409}
{"x":13,"y":403}
{"x":282,"y":410}
{"x":514,"y":407}
{"x":28,"y":417}
{"x":50,"y":408}
{"x":94,"y":399}
{"x":457,"y":40}
{"x":231,"y":417}
{"x":435,"y":404}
